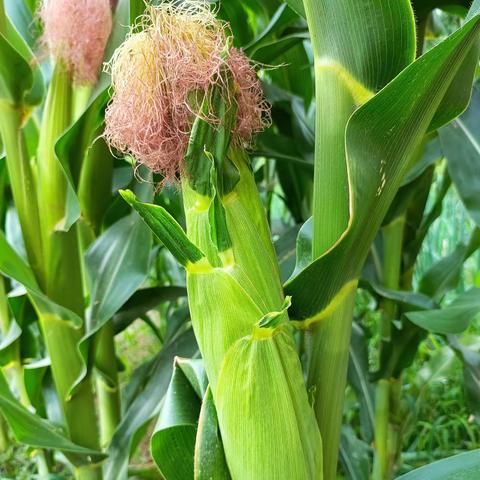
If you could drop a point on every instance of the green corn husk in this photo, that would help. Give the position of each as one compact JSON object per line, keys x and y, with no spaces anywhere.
{"x":238,"y":312}
{"x":254,"y":372}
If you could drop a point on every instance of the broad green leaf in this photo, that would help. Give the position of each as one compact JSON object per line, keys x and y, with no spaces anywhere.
{"x":20,"y":82}
{"x":116,"y":265}
{"x":465,"y":466}
{"x":34,"y":374}
{"x":173,"y":441}
{"x":461,"y":145}
{"x":297,"y":5}
{"x":238,"y":17}
{"x":380,"y":138}
{"x":354,"y":455}
{"x":407,"y":298}
{"x":210,"y":463}
{"x":452,"y":319}
{"x":279,"y":20}
{"x":293,"y":166}
{"x":144,"y":300}
{"x":146,"y":404}
{"x":268,"y":52}
{"x":166,"y":228}
{"x":73,"y":144}
{"x":471,"y":373}
{"x":30,"y":429}
{"x":358,"y":46}
{"x":444,"y":274}
{"x":11,"y":65}
{"x":11,"y":265}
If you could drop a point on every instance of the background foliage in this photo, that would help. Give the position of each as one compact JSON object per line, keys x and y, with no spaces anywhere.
{"x":135,"y":284}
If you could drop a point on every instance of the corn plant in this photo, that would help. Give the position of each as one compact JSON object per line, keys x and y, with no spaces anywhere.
{"x":257,"y":390}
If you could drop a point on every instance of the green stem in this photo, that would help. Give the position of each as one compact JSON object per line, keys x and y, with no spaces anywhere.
{"x":4,"y":439}
{"x":388,"y":423}
{"x":23,"y":185}
{"x":327,"y":378}
{"x":61,"y":339}
{"x":382,"y":409}
{"x":387,"y":413}
{"x":108,"y":387}
{"x":63,"y":268}
{"x":331,"y":338}
{"x":392,"y":264}
{"x":94,"y":193}
{"x":15,"y":363}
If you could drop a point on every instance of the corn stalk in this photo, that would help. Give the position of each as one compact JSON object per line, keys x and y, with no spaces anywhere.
{"x":62,"y":256}
{"x":365,"y":143}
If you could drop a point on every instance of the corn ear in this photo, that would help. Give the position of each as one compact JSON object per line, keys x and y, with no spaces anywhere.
{"x":263,"y":404}
{"x":238,"y":310}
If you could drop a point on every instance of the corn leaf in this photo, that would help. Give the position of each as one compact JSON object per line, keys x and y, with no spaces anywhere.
{"x":144,"y":300}
{"x":166,"y":228}
{"x":461,"y":145}
{"x":452,"y":319}
{"x":465,"y":466}
{"x":32,"y":430}
{"x":7,"y":340}
{"x":444,"y":275}
{"x":354,"y":455}
{"x":380,"y":137}
{"x":146,"y":404}
{"x":173,"y":442}
{"x":11,"y":265}
{"x":297,"y":5}
{"x":471,"y":372}
{"x":19,"y":81}
{"x":282,"y":17}
{"x":359,"y":379}
{"x":116,"y":265}
{"x":74,"y":142}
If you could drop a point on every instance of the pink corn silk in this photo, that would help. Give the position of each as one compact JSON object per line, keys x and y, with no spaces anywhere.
{"x":253,"y":110}
{"x":154,"y":75}
{"x":76,"y":32}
